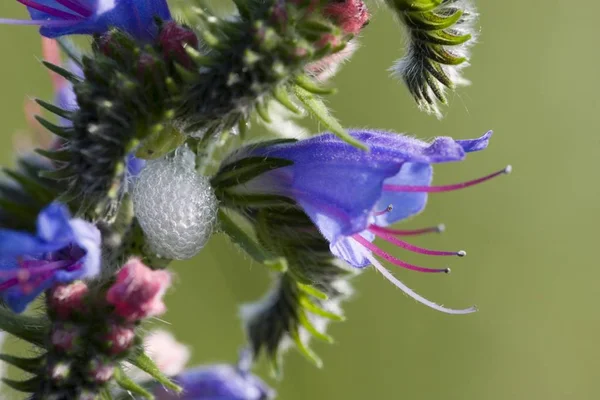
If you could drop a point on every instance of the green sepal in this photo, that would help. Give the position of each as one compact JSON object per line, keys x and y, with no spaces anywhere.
{"x":281,"y":95}
{"x":319,"y":110}
{"x":310,"y":86}
{"x":414,"y":5}
{"x":311,"y":290}
{"x":31,"y":365}
{"x":263,"y":111}
{"x":129,"y":385}
{"x":55,"y":155}
{"x":430,"y":21}
{"x":38,"y":191}
{"x":246,"y":169}
{"x":141,"y":360}
{"x":57,"y":130}
{"x":105,"y":394}
{"x":29,"y":386}
{"x":160,"y":142}
{"x":249,"y":245}
{"x":55,"y":109}
{"x":57,"y":174}
{"x":315,"y":309}
{"x":30,"y":329}
{"x":305,"y":322}
{"x":65,"y":73}
{"x":305,"y":350}
{"x":441,"y":37}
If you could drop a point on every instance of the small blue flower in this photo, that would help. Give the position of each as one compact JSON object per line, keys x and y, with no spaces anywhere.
{"x":61,"y":251}
{"x":68,"y":17}
{"x":217,"y":382}
{"x":352,"y":195}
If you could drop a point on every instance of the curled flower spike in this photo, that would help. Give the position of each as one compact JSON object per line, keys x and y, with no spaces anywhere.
{"x":353,"y":196}
{"x":138,"y":292}
{"x":61,"y":251}
{"x":440,"y":34}
{"x":68,"y":17}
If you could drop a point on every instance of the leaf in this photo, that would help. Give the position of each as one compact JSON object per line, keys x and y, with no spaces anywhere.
{"x":30,"y":329}
{"x":129,"y":385}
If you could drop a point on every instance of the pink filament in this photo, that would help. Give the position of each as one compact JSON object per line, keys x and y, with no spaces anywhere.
{"x":380,"y":232}
{"x":393,"y":259}
{"x":412,"y":232}
{"x":48,"y":10}
{"x":445,"y":188}
{"x":34,"y":267}
{"x":77,"y":7}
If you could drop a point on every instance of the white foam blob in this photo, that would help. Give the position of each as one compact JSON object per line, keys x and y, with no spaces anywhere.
{"x":175,"y":206}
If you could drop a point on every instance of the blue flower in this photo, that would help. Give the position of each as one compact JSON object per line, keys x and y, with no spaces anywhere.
{"x":352,"y":195}
{"x":61,"y":251}
{"x":68,"y":17}
{"x":217,"y":382}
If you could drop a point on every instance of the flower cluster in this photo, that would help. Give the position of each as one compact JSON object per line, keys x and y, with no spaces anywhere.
{"x":145,"y":164}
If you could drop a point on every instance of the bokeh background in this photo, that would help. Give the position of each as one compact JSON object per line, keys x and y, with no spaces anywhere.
{"x":532,"y":266}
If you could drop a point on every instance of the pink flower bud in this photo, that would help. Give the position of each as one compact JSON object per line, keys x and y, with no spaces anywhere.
{"x":173,"y":39}
{"x":100,"y":372}
{"x":350,"y":15}
{"x":119,"y":338}
{"x":65,"y":299}
{"x":138,"y":292}
{"x":64,"y":337}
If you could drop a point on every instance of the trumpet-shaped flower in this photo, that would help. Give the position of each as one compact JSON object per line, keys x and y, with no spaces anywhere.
{"x":61,"y":251}
{"x":217,"y":382}
{"x":352,"y":195}
{"x":68,"y":17}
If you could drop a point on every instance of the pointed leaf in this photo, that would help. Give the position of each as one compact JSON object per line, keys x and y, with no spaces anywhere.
{"x":145,"y":363}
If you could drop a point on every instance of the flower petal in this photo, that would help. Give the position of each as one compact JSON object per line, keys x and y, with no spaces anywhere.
{"x":404,"y":205}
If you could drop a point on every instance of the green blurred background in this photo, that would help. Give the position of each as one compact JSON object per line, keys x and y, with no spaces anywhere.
{"x":532,"y":269}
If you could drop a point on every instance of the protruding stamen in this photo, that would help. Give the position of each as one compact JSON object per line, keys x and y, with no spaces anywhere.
{"x":387,"y":210}
{"x":414,"y":232}
{"x":393,"y":259}
{"x":44,"y":22}
{"x":77,"y":7}
{"x":378,"y":231}
{"x":387,"y":274}
{"x":48,"y":10}
{"x":445,"y":188}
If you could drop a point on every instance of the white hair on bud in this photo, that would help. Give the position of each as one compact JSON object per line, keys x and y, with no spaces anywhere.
{"x":175,"y":206}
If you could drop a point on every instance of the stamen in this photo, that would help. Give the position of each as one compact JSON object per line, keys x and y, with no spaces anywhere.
{"x":445,"y":188}
{"x":33,"y":267}
{"x":48,"y":10}
{"x":393,"y":259}
{"x":387,"y":210}
{"x":44,"y":22}
{"x":413,"y":232}
{"x":400,"y":243}
{"x":79,"y":8}
{"x":387,"y":274}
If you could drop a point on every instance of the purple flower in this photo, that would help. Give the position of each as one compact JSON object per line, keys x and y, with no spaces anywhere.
{"x":217,"y":382}
{"x":352,"y":195}
{"x":61,"y":251}
{"x":67,"y":17}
